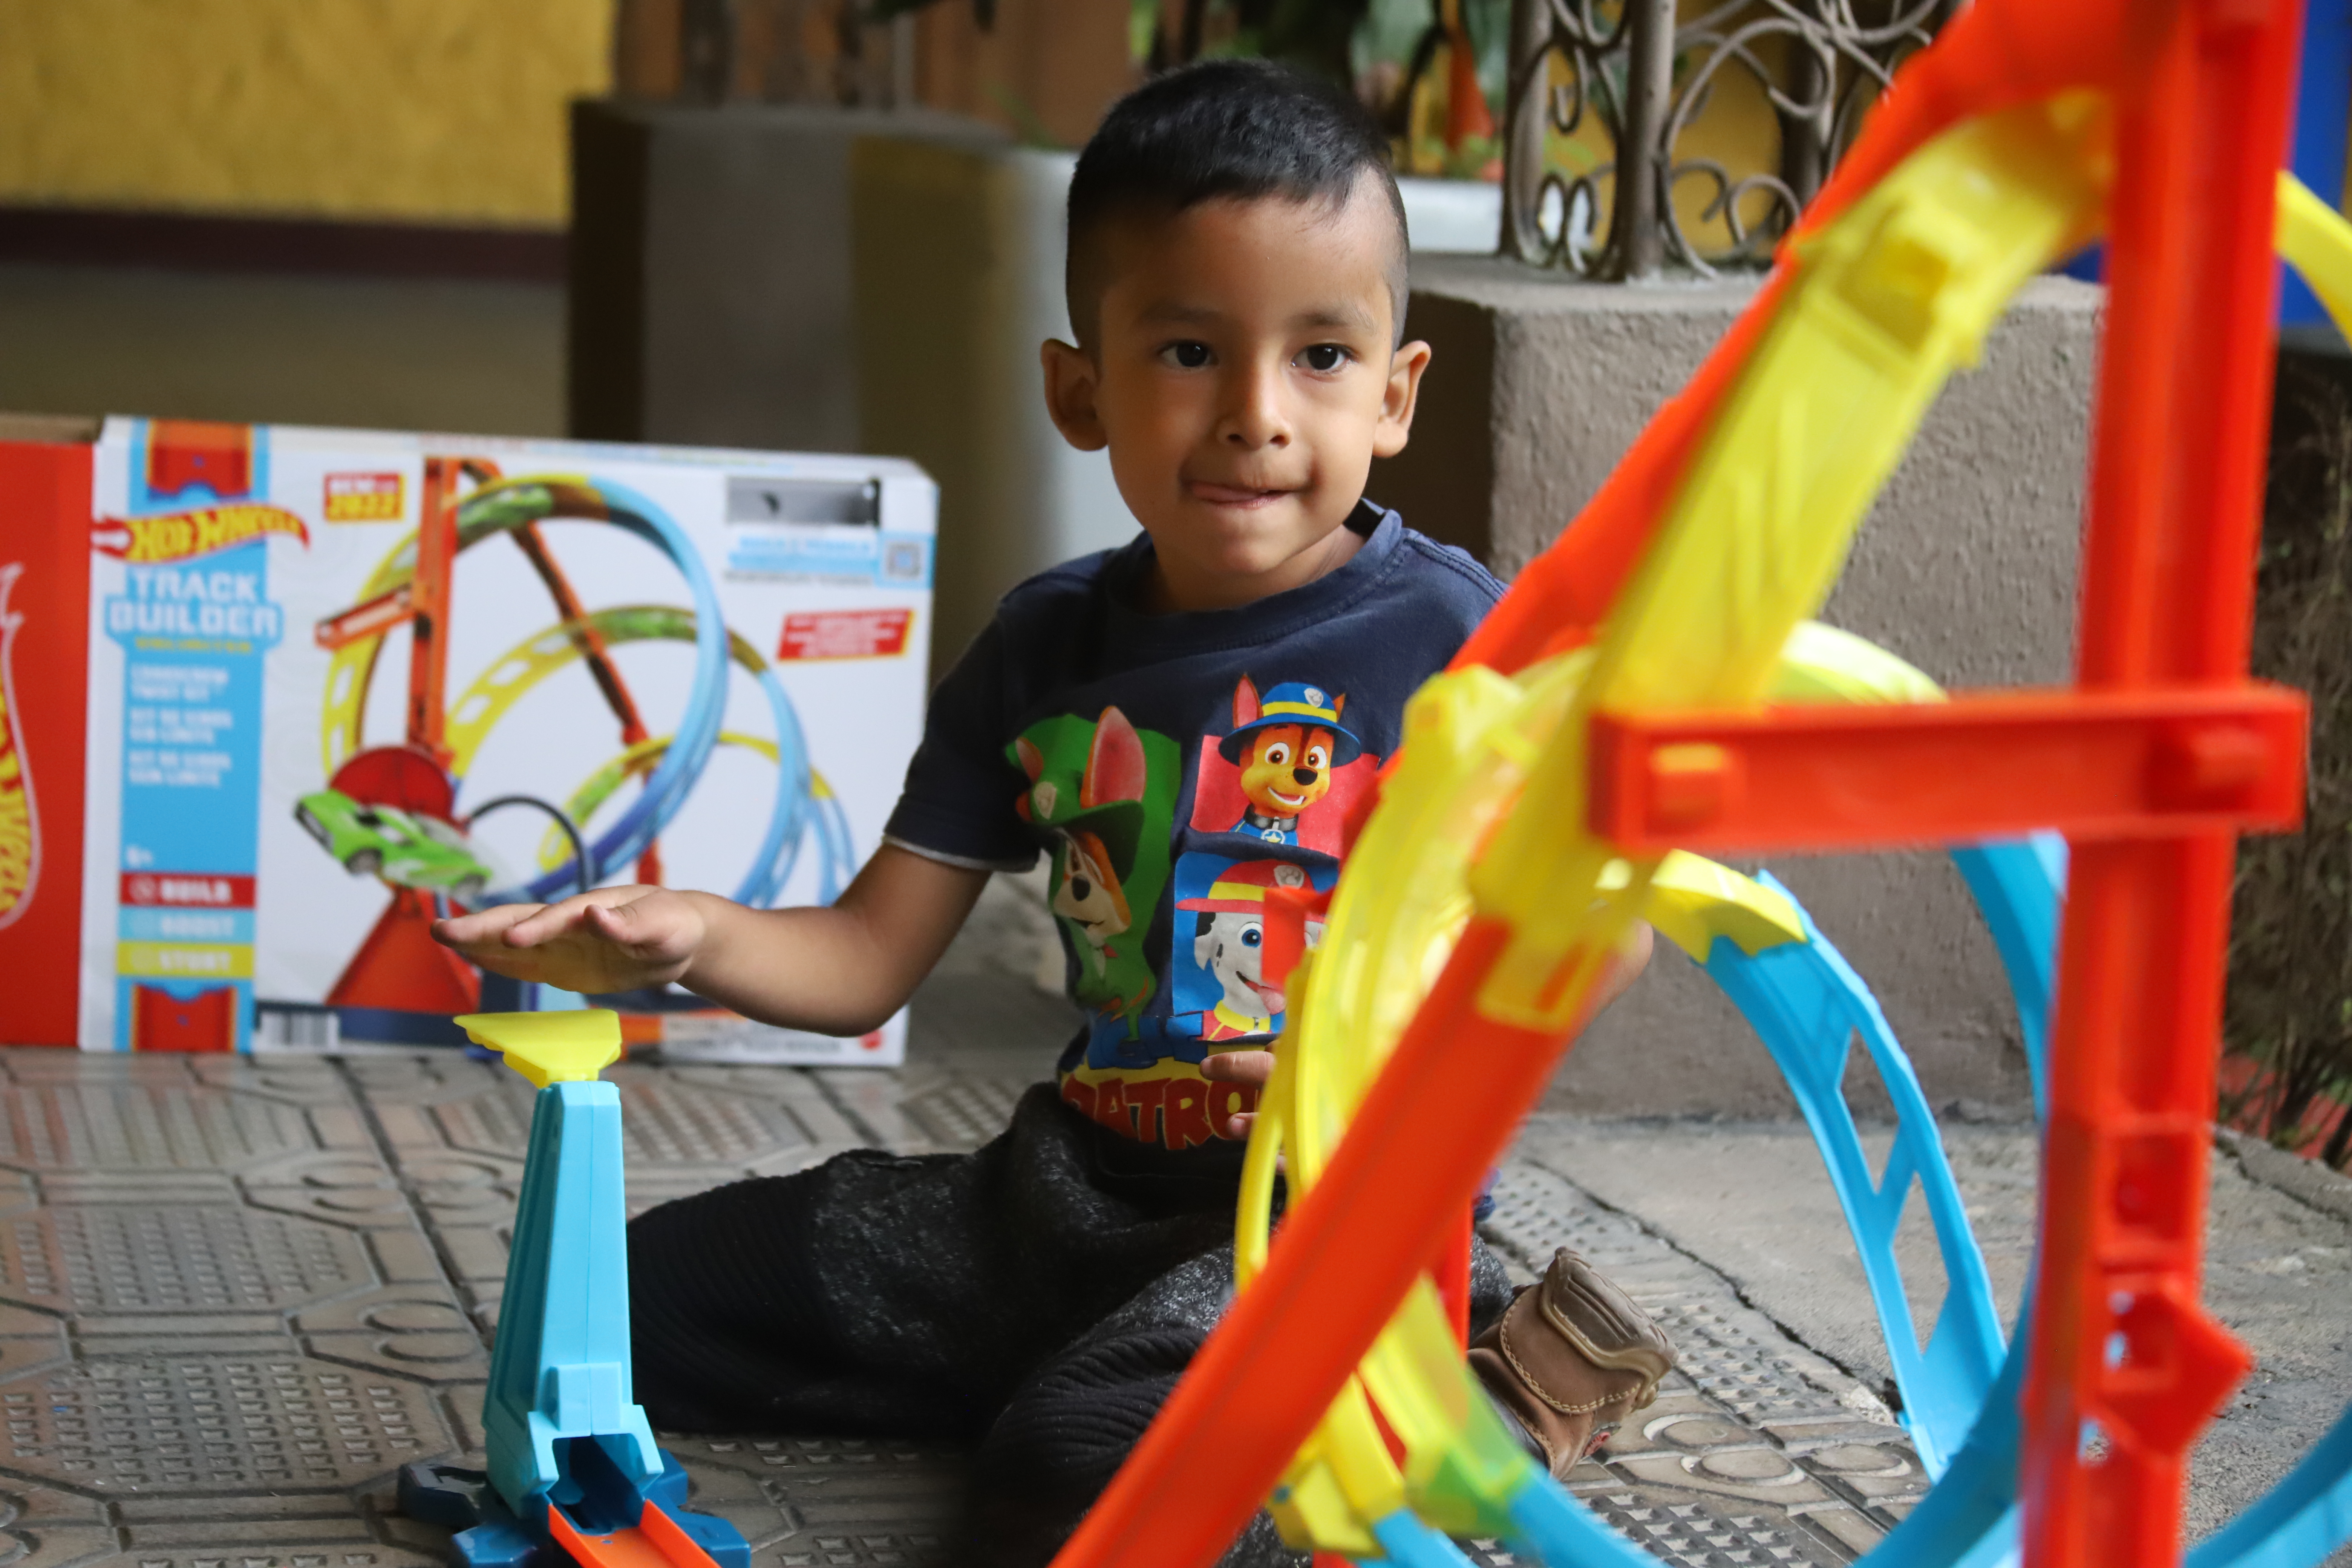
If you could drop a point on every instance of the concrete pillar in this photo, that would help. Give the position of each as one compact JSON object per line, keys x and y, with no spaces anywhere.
{"x":1966,"y":568}
{"x":710,"y":270}
{"x":958,"y":283}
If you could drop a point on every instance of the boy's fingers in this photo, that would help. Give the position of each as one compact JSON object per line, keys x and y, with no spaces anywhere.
{"x":1252,"y":1067}
{"x":457,"y":930}
{"x":549,"y":921}
{"x":1238,"y":1125}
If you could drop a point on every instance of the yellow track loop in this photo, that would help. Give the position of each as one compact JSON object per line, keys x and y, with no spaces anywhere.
{"x":1392,"y":948}
{"x":2316,"y":242}
{"x":1885,"y":302}
{"x":513,"y":673}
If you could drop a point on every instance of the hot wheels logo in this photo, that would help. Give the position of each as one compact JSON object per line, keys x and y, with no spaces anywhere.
{"x":176,"y":536}
{"x":20,"y":836}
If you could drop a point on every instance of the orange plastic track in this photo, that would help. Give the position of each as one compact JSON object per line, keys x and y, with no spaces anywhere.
{"x":655,"y":1541}
{"x":2119,"y":1350}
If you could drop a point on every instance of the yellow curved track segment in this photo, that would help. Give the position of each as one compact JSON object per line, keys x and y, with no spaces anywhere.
{"x":2314,"y":239}
{"x":511,"y":675}
{"x":1486,"y":810}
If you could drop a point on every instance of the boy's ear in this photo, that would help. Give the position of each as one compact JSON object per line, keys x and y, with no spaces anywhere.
{"x":1396,"y":401}
{"x":1071,"y":378}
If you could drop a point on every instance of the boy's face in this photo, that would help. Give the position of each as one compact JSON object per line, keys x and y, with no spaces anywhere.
{"x":1243,"y":377}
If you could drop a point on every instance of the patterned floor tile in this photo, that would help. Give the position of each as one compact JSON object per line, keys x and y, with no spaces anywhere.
{"x":236,"y":1296}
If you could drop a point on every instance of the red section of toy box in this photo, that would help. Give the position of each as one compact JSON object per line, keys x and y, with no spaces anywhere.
{"x":43,"y":668}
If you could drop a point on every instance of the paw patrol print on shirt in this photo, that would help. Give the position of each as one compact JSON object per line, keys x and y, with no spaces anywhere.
{"x":1224,"y":987}
{"x":1286,"y":771}
{"x":1276,"y":776}
{"x":1105,"y":793}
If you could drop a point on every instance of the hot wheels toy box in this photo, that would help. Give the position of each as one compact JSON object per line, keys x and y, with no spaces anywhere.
{"x":276,"y":697}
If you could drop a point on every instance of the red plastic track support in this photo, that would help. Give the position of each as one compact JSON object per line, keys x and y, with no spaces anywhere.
{"x":2099,"y":764}
{"x":2119,"y":1349}
{"x":428,"y":608}
{"x":365,"y":619}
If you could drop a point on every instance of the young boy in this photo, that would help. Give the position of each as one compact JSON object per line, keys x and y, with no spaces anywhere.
{"x":1184,"y":725}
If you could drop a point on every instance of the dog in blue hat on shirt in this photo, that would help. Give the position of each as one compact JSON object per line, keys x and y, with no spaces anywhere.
{"x":1287,"y":746}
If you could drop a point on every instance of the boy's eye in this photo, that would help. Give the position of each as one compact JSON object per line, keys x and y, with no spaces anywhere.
{"x":1325,"y":358}
{"x":1186,"y":355}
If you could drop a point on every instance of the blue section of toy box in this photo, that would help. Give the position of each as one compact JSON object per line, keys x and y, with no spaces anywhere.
{"x":142,"y":502}
{"x":195,"y":636}
{"x":2323,"y":110}
{"x":2315,"y":151}
{"x":187,"y":925}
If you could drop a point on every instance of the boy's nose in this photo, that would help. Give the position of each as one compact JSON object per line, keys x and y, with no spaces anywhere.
{"x":1254,"y":417}
{"x":1304,"y":775}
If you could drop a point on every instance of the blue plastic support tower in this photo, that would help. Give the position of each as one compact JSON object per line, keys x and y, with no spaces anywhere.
{"x":1961,"y":1390}
{"x":561,"y":1368}
{"x":560,"y":1421}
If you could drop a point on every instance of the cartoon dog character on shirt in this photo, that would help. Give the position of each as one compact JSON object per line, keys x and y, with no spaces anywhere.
{"x":1286,"y":747}
{"x":1230,"y":944}
{"x":1091,"y":862}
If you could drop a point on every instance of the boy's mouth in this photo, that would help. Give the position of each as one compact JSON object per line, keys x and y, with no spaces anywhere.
{"x":1244,"y":495}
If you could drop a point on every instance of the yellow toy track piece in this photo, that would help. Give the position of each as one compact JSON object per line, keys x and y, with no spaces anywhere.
{"x":549,"y":1047}
{"x":1886,"y":302}
{"x":2316,"y":241}
{"x":1459,"y":1461}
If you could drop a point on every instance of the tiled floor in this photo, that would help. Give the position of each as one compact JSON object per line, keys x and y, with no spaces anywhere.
{"x":236,"y":1296}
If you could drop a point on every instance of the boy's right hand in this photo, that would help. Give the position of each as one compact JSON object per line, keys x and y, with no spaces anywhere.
{"x":610,"y":938}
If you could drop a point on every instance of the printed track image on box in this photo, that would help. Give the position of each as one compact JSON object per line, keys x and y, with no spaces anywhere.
{"x":397,"y":811}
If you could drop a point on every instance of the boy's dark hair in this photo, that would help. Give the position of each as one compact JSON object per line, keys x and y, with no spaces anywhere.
{"x":1241,"y":130}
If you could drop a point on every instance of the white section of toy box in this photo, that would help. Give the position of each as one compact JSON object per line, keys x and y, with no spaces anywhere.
{"x":862,"y":717}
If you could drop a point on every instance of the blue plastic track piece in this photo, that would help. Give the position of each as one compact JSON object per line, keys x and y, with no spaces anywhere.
{"x":2298,"y":1522}
{"x":772,"y":862}
{"x":1808,"y":1006}
{"x":2018,"y":883}
{"x":1407,"y":1542}
{"x":1556,"y":1530}
{"x":1970,"y":1518}
{"x":560,"y":1372}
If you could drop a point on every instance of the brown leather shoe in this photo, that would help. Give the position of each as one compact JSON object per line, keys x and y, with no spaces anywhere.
{"x":1571,"y":1357}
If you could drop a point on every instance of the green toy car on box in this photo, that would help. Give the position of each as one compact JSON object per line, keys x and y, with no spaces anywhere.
{"x":405,"y":848}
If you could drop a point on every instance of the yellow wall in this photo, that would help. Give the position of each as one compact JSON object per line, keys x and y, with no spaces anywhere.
{"x":434,"y":110}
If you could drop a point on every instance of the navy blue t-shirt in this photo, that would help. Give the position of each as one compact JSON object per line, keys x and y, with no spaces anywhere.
{"x":1177,"y":767}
